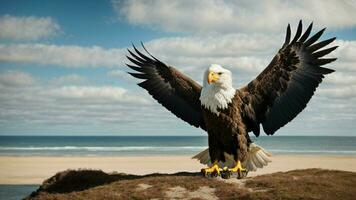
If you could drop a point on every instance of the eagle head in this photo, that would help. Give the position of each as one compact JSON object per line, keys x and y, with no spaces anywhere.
{"x":217,"y":90}
{"x":217,"y":76}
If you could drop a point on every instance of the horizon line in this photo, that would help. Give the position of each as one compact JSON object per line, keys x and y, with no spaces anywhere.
{"x":76,"y":135}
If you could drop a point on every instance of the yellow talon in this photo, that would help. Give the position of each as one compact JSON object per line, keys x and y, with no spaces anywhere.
{"x":213,"y":168}
{"x":237,"y":168}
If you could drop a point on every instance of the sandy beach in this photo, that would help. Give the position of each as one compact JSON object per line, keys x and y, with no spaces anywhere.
{"x":33,"y":170}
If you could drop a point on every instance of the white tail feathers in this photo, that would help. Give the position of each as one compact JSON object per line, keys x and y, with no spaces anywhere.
{"x":257,"y":157}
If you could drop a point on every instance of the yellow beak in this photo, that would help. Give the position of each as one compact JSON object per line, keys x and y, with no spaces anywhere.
{"x":212,"y":77}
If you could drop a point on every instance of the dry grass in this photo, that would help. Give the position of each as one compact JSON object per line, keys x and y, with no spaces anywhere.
{"x":306,"y":184}
{"x":298,"y":184}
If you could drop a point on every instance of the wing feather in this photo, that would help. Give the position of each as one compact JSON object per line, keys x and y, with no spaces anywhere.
{"x":298,"y":33}
{"x":323,"y":52}
{"x":314,"y":38}
{"x":320,"y":45}
{"x":306,"y":33}
{"x":288,"y":83}
{"x":175,"y":91}
{"x":287,"y":40}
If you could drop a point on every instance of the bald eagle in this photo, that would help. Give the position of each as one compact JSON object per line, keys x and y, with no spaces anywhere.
{"x":275,"y":97}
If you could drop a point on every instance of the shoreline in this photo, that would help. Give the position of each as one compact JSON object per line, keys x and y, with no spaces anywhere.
{"x":33,"y":170}
{"x":170,"y":155}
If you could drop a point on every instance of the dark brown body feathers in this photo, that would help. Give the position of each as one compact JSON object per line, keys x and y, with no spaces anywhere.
{"x":227,"y":131}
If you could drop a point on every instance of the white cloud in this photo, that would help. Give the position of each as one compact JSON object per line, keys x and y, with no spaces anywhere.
{"x":246,"y":54}
{"x":342,"y":92}
{"x":234,"y":50}
{"x":95,"y":94}
{"x":27,"y":28}
{"x":346,"y":55}
{"x":62,"y":55}
{"x":69,"y":80}
{"x":235,"y":16}
{"x":121,"y":75}
{"x":217,"y":45}
{"x":79,"y":107}
{"x":339,"y":78}
{"x":97,"y":109}
{"x":16,"y":79}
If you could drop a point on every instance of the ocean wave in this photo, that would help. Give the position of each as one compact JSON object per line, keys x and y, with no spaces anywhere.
{"x":88,"y":148}
{"x":313,"y":151}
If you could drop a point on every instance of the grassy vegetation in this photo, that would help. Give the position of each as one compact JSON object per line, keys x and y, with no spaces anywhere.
{"x":298,"y":184}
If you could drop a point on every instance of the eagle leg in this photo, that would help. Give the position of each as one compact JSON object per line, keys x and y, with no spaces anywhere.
{"x":211,"y":170}
{"x":238,"y":167}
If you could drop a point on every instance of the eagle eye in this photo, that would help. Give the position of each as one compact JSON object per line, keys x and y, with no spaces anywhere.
{"x":220,"y":73}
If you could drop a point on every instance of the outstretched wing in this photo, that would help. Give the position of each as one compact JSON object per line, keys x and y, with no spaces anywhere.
{"x":285,"y":87}
{"x":175,"y":91}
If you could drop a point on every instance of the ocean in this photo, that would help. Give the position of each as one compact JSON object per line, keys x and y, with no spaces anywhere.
{"x":164,"y":145}
{"x":16,"y":192}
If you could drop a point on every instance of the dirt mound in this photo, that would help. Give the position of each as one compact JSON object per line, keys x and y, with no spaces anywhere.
{"x":297,"y":184}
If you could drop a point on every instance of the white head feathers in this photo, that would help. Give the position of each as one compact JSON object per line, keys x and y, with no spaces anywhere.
{"x":218,"y":94}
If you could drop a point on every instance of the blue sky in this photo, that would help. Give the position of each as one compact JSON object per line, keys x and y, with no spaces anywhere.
{"x":62,"y":62}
